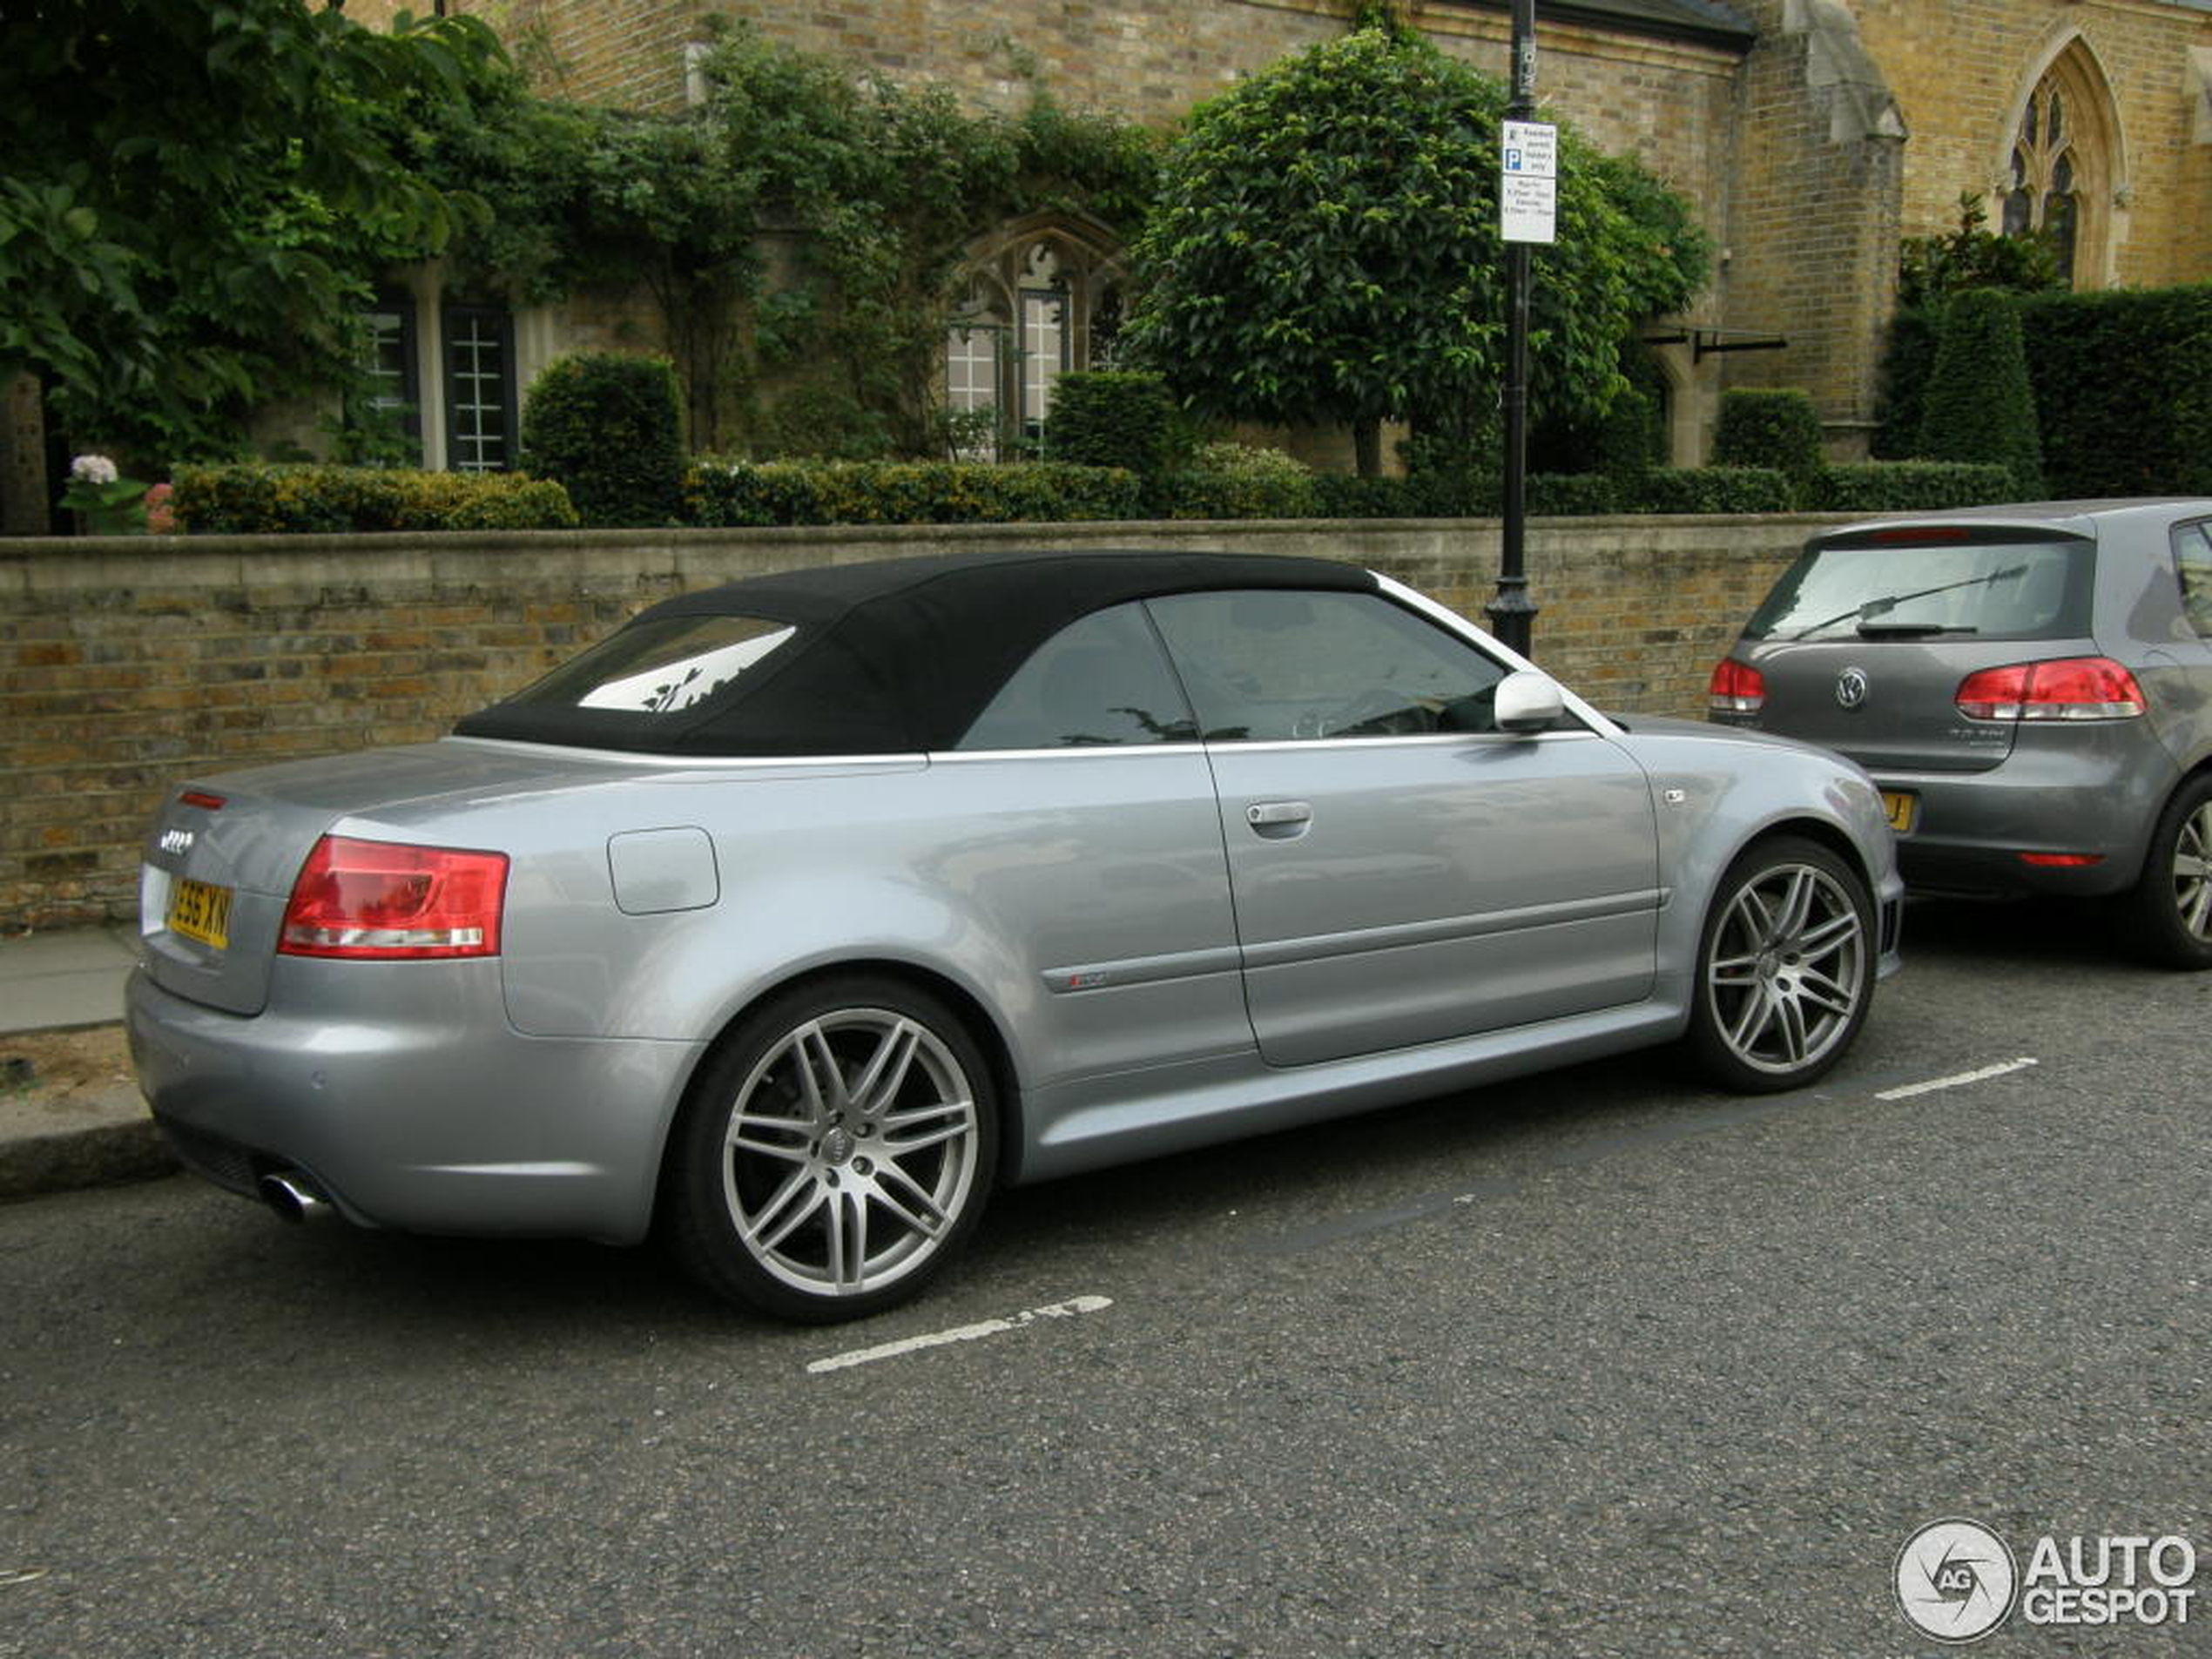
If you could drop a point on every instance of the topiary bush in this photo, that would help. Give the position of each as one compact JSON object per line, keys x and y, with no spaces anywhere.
{"x":1779,"y":429}
{"x":2123,"y":389}
{"x":1116,"y":418}
{"x":606,"y":427}
{"x":256,"y":498}
{"x":1978,"y":404}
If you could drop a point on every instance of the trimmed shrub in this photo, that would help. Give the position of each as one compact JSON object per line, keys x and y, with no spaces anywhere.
{"x":606,"y":427}
{"x":2123,"y":385}
{"x":1905,"y":362}
{"x":256,"y":498}
{"x":1712,"y":489}
{"x":1237,"y":481}
{"x":1116,"y":418}
{"x":1780,"y":429}
{"x":720,"y":494}
{"x":1574,"y":495}
{"x":1979,"y":405}
{"x":1919,"y":486}
{"x":1345,"y":494}
{"x":1448,"y":477}
{"x":1631,"y":438}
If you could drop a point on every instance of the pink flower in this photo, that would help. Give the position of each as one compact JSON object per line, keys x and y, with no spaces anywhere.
{"x":161,"y":518}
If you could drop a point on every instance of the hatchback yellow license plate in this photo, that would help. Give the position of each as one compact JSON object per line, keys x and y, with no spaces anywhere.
{"x":1902,"y":809}
{"x":202,"y":911}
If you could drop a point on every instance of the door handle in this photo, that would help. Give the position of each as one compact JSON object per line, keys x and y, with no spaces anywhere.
{"x":1279,"y":817}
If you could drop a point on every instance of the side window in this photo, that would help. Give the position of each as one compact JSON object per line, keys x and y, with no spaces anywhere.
{"x":1262,"y":666}
{"x":2192,"y":563}
{"x":1099,"y":681}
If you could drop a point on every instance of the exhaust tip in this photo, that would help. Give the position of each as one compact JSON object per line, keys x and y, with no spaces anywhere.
{"x":292,"y":1197}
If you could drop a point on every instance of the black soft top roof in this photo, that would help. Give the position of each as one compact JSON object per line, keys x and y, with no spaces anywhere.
{"x":895,"y":656}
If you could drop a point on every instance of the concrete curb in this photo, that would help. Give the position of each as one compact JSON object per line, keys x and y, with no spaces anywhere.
{"x":89,"y":1142}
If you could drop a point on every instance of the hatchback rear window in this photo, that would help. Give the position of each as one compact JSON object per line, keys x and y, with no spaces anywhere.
{"x":1932,"y":590}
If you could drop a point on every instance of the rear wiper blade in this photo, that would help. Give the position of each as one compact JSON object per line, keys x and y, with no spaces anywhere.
{"x":1911,"y":630}
{"x":1867,"y":610}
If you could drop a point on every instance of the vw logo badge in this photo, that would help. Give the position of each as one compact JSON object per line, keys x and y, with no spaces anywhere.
{"x":1850,"y":687}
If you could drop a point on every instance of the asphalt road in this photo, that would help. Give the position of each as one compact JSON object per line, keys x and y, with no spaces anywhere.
{"x":1599,"y":1364}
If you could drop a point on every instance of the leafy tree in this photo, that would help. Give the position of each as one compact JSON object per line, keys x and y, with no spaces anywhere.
{"x":197,"y":196}
{"x":1324,"y":248}
{"x":1932,"y":268}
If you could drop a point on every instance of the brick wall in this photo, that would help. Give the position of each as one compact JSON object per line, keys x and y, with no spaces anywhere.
{"x":128,"y":663}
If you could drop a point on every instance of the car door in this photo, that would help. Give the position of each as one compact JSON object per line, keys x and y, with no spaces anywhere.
{"x":1080,"y":825}
{"x":1403,"y":873}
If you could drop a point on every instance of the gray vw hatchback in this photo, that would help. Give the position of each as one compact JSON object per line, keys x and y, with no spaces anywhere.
{"x":2030,"y":687}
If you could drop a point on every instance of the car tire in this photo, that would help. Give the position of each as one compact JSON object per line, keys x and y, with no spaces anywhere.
{"x":834,"y":1152}
{"x":2168,"y":912}
{"x":1785,"y":967}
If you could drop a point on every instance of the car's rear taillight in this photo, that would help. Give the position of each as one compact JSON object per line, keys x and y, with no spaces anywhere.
{"x":2070,"y":688}
{"x":1736,"y":688}
{"x":386,"y":901}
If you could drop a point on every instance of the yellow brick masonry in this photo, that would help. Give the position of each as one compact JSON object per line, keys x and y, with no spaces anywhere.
{"x":128,"y":665}
{"x":1960,"y":72}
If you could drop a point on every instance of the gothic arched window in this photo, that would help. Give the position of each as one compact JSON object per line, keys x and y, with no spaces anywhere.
{"x":2043,"y":193}
{"x":1044,"y":297}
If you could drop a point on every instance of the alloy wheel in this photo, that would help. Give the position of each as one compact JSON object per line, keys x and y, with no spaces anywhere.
{"x":850,"y":1152}
{"x":1787,"y":970}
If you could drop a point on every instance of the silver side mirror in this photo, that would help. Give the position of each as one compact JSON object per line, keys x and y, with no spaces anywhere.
{"x":1528,"y":701}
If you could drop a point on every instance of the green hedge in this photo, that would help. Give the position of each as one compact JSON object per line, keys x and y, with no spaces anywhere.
{"x":1714,"y":489}
{"x":606,"y":426}
{"x":719,"y":494}
{"x":2123,"y":388}
{"x":250,"y":498}
{"x":1919,"y":486}
{"x":1237,"y":481}
{"x":1906,"y":358}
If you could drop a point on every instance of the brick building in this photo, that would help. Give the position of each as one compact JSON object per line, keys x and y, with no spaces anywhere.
{"x":1810,"y":135}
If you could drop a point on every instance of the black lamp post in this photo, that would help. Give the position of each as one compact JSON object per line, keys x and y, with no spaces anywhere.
{"x":1512,"y":612}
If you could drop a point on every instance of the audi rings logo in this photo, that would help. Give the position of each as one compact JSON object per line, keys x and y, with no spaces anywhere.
{"x":1955,"y":1579}
{"x":1850,"y":687}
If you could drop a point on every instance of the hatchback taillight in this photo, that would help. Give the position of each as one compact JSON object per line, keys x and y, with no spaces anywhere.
{"x":1736,"y":688}
{"x":2070,"y":688}
{"x":387,"y":901}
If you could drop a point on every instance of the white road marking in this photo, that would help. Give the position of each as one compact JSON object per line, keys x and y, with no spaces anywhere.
{"x":10,"y":1576}
{"x":1959,"y":1080}
{"x":1067,"y":1310}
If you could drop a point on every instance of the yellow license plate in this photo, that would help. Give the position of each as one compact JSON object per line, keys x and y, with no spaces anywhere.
{"x":202,"y":911}
{"x":1901,"y":807}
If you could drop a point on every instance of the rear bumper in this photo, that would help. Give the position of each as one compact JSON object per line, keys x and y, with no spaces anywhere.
{"x":418,"y":1107}
{"x":1971,"y":828}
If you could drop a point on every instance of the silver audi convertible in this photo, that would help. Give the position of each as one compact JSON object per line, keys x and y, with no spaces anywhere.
{"x":799,"y":913}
